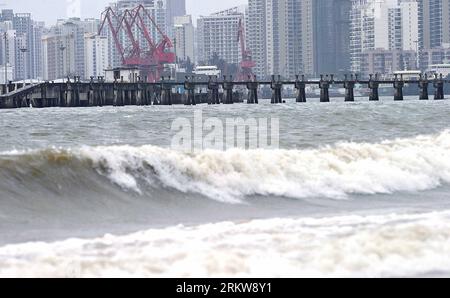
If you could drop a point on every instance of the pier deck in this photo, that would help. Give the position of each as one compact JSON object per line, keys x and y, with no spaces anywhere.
{"x":100,"y":93}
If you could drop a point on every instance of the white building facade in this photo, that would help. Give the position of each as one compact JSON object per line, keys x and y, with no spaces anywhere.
{"x":280,"y":34}
{"x":184,"y":38}
{"x":95,"y":55}
{"x":217,"y":35}
{"x":383,"y":28}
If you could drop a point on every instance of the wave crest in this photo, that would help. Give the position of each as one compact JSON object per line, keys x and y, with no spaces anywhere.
{"x":410,"y":164}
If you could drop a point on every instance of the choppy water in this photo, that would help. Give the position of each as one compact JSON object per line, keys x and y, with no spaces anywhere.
{"x":356,"y":189}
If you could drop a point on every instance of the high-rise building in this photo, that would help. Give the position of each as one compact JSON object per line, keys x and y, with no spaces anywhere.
{"x":95,"y":54}
{"x":26,"y":47}
{"x":38,"y":32}
{"x":377,"y":30}
{"x":76,"y":29}
{"x":434,"y":23}
{"x":8,"y":48}
{"x":59,"y":52}
{"x":70,"y":34}
{"x":410,"y":25}
{"x":434,"y":30}
{"x":217,"y":35}
{"x":256,"y":35}
{"x":7,"y":15}
{"x":174,"y":8}
{"x":184,"y":38}
{"x":280,"y":34}
{"x":332,"y":32}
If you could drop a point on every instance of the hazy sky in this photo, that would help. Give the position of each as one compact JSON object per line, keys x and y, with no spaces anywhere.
{"x":50,"y":10}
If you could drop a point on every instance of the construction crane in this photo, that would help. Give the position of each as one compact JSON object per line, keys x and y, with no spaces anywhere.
{"x":131,"y":23}
{"x":247,"y":64}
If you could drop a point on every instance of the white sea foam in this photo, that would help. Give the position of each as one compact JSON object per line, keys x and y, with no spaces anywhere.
{"x":413,"y":164}
{"x":362,"y":246}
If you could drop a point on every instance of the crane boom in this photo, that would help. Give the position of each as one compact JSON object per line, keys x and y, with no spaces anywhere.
{"x":151,"y":57}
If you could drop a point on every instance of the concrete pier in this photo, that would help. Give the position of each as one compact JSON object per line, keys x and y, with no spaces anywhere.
{"x":97,"y":92}
{"x":439,"y":88}
{"x":423,"y":87}
{"x":189,"y":86}
{"x":228,"y":86}
{"x":300,"y":86}
{"x":324,"y":86}
{"x":398,"y":86}
{"x":166,"y":93}
{"x":252,"y":87}
{"x":276,"y":85}
{"x":349,"y":86}
{"x":374,"y":86}
{"x":213,"y":91}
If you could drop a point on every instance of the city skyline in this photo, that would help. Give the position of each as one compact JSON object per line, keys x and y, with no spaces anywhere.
{"x":93,"y":9}
{"x":279,"y":37}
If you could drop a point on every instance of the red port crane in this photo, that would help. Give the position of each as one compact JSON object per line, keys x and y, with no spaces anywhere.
{"x":149,"y":56}
{"x":247,"y":64}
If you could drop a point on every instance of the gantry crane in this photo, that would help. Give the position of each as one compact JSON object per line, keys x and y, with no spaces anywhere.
{"x":150,"y":58}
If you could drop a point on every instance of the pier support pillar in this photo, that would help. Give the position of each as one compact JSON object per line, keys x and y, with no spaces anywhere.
{"x":423,"y":86}
{"x":301,"y":89}
{"x":213,"y":91}
{"x":91,"y":93}
{"x":228,"y":90}
{"x":45,"y":102}
{"x":349,"y":86}
{"x":11,"y":86}
{"x":139,"y":97}
{"x":374,"y":85}
{"x":156,"y":94}
{"x":276,"y":86}
{"x":69,"y":95}
{"x":115,"y":94}
{"x":77,"y":91}
{"x":166,"y":93}
{"x":439,"y":88}
{"x":252,"y":87}
{"x":398,"y":86}
{"x":324,"y":86}
{"x":189,"y":86}
{"x":101,"y":91}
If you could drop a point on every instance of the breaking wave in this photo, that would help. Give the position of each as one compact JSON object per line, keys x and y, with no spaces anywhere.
{"x":401,"y":165}
{"x":390,"y":245}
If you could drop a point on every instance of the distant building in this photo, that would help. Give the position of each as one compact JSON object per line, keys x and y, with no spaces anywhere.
{"x":95,"y":55}
{"x":410,"y":25}
{"x":256,"y":35}
{"x":174,"y":9}
{"x":437,"y":55}
{"x":66,"y":42}
{"x":280,"y":35}
{"x":439,"y":69}
{"x":381,"y":61}
{"x":25,"y":48}
{"x":217,"y":35}
{"x":211,"y":70}
{"x":125,"y":74}
{"x":58,"y":56}
{"x":6,"y":73}
{"x":184,"y":38}
{"x":332,"y":32}
{"x":383,"y":28}
{"x":434,"y":31}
